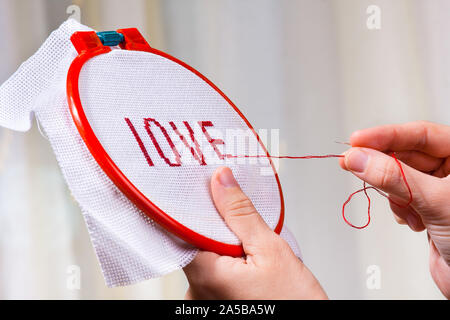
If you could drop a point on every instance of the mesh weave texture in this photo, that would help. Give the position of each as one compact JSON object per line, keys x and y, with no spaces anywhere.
{"x":141,"y":85}
{"x":129,"y":246}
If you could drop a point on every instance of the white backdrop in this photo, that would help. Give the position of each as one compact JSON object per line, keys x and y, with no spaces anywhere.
{"x":310,"y":68}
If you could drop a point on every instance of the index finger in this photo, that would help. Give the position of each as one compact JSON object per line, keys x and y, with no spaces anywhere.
{"x":424,"y":136}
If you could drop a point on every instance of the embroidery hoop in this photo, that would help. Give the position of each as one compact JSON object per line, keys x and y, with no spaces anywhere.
{"x":90,"y":44}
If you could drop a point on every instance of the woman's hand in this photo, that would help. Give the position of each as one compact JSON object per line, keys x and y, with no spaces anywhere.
{"x":270,"y":269}
{"x":425,"y":149}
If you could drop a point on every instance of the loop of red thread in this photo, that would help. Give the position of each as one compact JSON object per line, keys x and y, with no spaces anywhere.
{"x":364,"y":189}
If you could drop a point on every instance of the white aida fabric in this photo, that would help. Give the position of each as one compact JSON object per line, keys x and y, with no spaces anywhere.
{"x":153,"y":94}
{"x":113,"y":88}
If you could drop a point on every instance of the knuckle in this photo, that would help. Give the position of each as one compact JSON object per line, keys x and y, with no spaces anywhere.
{"x":422,"y":142}
{"x":389,"y":176}
{"x":240,"y":207}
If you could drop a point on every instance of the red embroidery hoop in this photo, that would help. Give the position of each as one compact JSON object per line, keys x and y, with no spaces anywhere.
{"x":89,"y":45}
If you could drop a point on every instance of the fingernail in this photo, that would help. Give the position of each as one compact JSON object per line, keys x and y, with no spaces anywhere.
{"x":356,"y":160}
{"x":227,"y":179}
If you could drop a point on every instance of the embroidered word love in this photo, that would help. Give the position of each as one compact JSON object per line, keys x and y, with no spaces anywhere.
{"x":191,"y":143}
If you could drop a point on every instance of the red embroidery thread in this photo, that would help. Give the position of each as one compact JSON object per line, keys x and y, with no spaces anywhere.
{"x":157,"y":146}
{"x":140,"y":143}
{"x":197,"y":152}
{"x":198,"y":155}
{"x":364,"y":189}
{"x":287,"y":157}
{"x":213,"y":142}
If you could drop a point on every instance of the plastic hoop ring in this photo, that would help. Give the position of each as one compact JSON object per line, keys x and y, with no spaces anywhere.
{"x":89,"y":45}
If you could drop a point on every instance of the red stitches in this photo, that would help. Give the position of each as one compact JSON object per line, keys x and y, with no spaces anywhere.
{"x":197,"y":155}
{"x":213,"y":142}
{"x":158,"y":148}
{"x":140,"y":143}
{"x":196,"y":152}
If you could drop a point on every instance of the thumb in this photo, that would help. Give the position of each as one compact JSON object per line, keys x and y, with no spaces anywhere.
{"x":237,"y":210}
{"x":383,"y":172}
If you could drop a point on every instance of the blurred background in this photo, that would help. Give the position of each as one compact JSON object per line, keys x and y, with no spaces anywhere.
{"x":312,"y":68}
